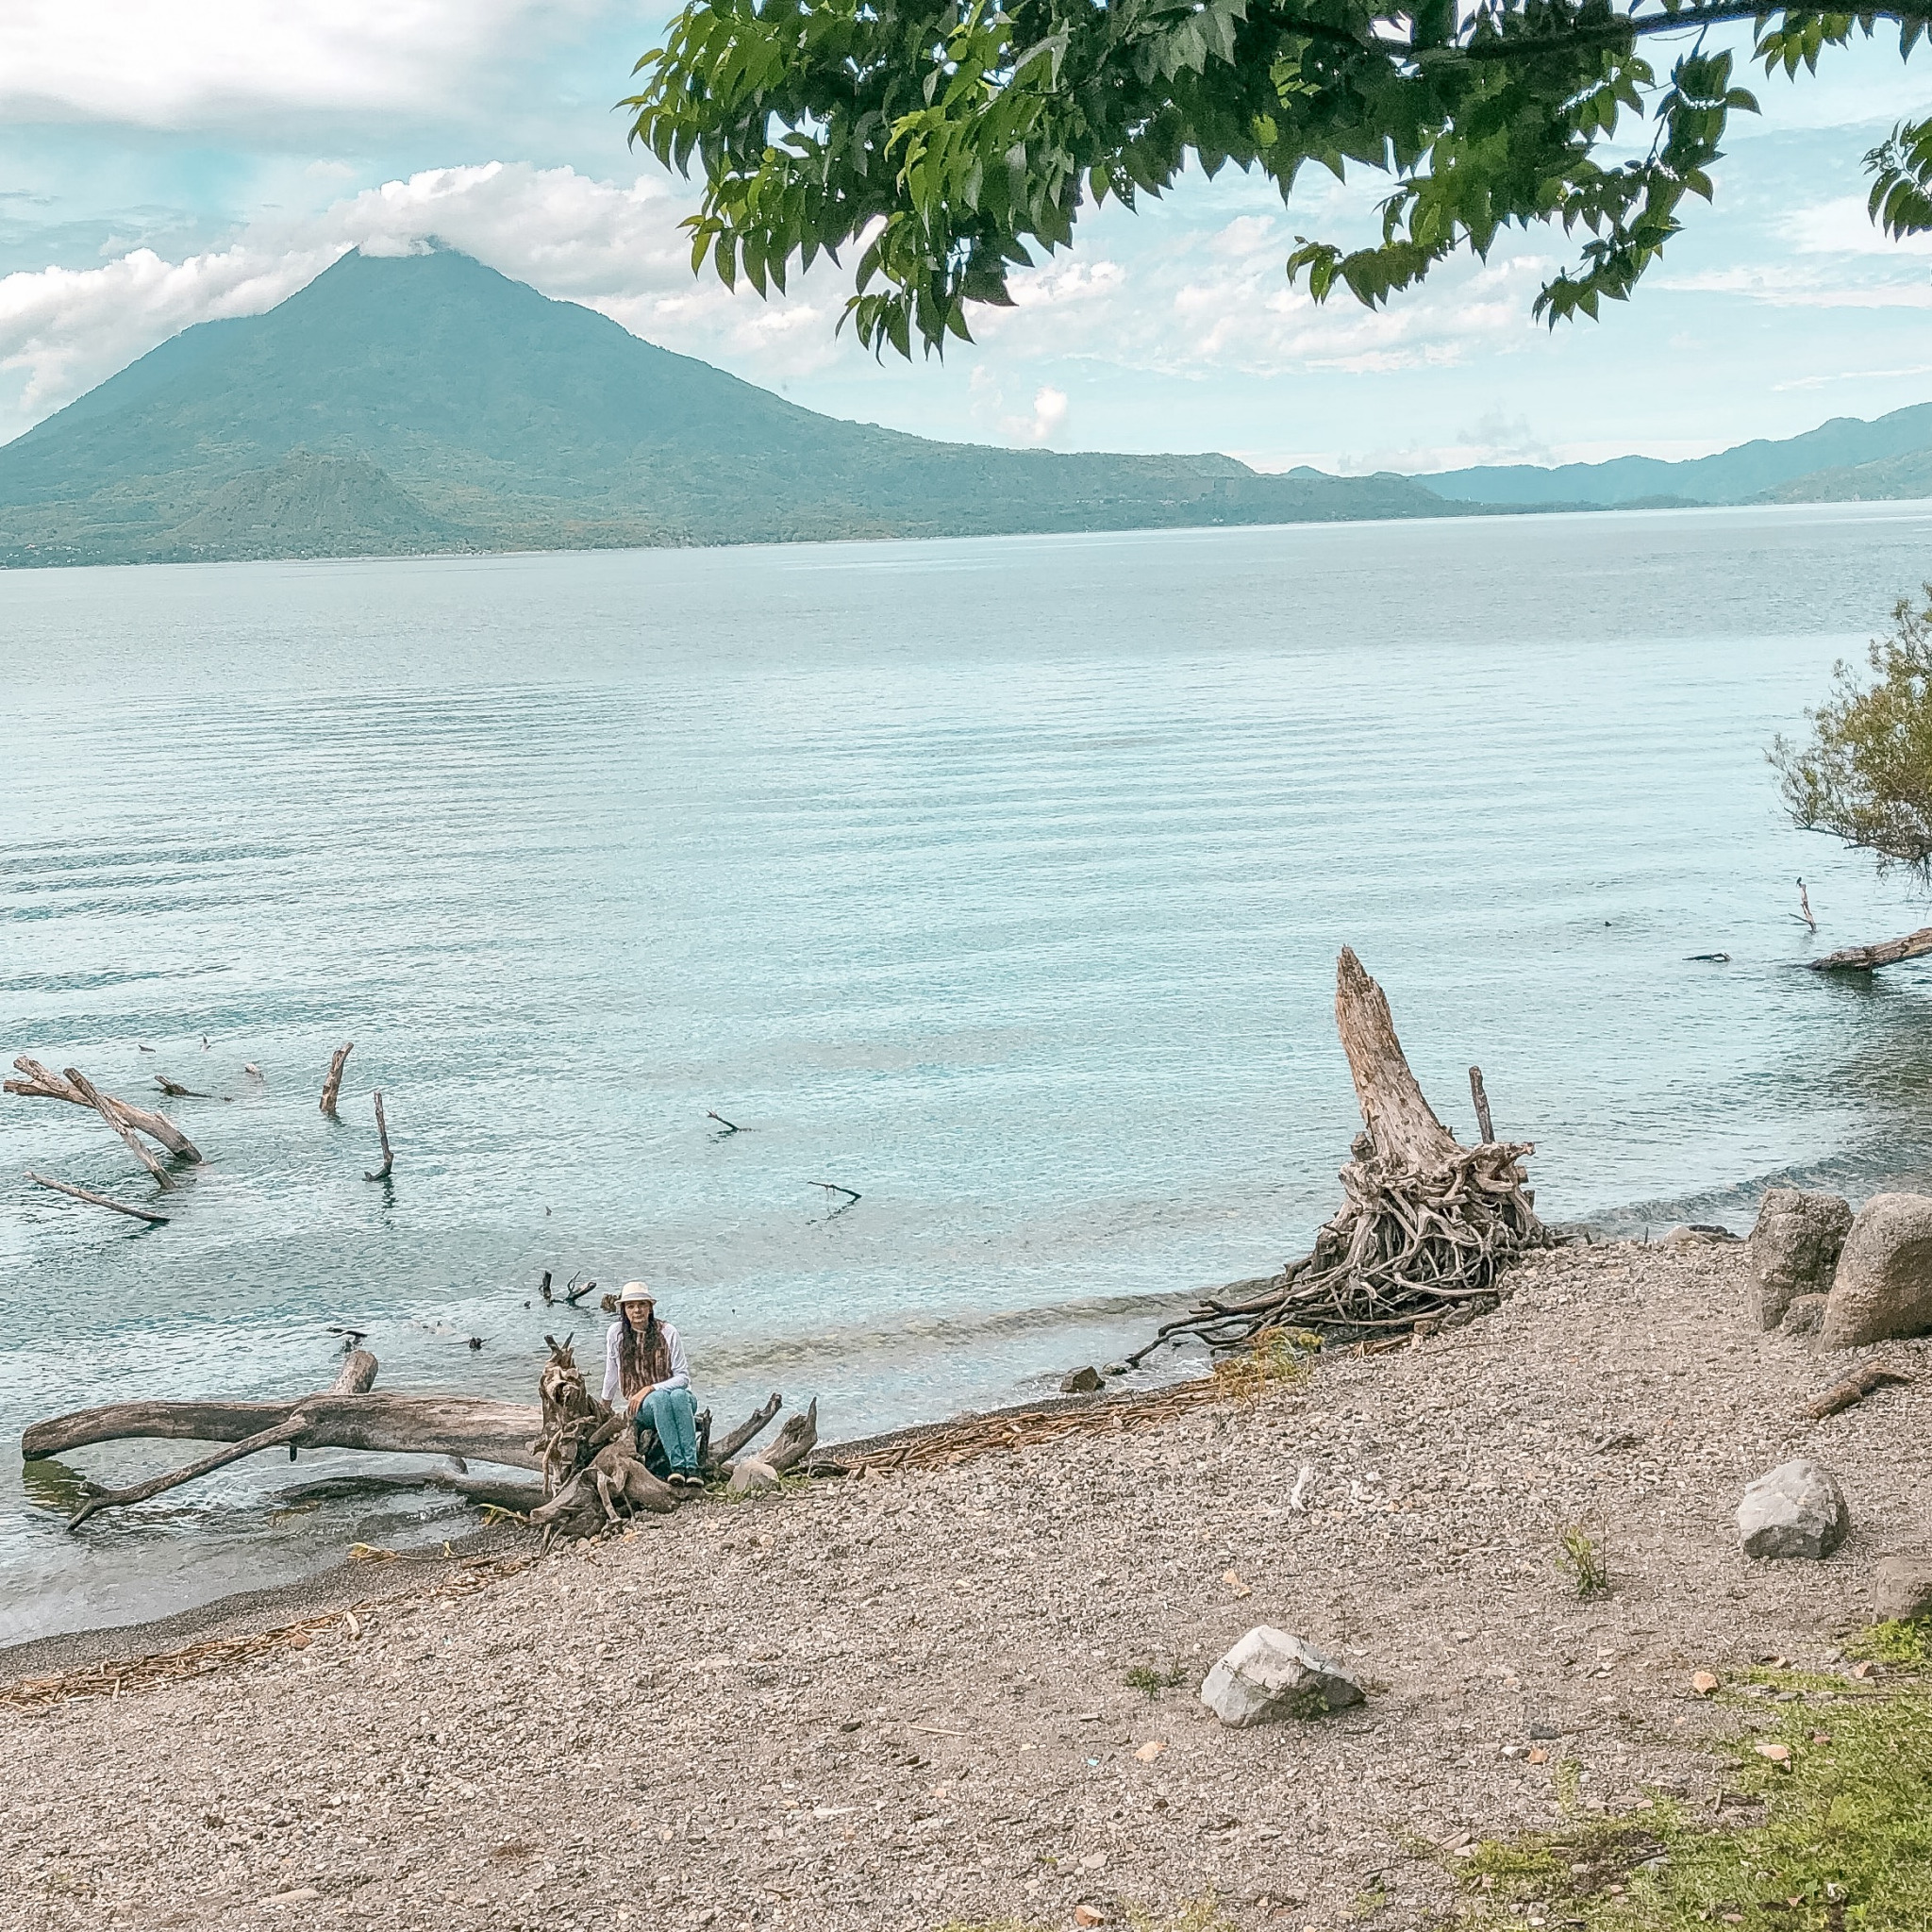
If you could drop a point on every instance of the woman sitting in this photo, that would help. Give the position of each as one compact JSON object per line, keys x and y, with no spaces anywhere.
{"x":647,"y":1378}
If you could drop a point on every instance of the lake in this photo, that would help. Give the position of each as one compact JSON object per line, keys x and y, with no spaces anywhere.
{"x":1000,"y":881}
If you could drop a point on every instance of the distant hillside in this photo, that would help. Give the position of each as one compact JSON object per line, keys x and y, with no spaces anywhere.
{"x":1792,"y":471}
{"x":428,"y":403}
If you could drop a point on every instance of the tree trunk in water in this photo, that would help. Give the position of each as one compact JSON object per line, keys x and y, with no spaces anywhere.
{"x":332,"y":1085}
{"x":470,"y":1426}
{"x":146,"y":1214}
{"x":42,"y":1083}
{"x":1914,"y":945}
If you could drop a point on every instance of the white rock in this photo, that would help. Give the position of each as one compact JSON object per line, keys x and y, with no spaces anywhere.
{"x":1270,"y":1674}
{"x":751,"y":1477}
{"x":1797,"y":1510}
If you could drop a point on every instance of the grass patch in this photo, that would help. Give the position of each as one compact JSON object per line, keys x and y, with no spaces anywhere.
{"x":1582,"y":1558}
{"x":1145,"y":1677}
{"x":1903,"y":1641}
{"x":1275,"y":1359}
{"x":1842,"y":1842}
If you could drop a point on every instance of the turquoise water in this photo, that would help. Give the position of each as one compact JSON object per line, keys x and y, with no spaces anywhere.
{"x":1001,"y":881}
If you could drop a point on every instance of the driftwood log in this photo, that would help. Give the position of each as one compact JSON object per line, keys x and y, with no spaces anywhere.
{"x":592,"y":1467}
{"x":332,"y":1084}
{"x":109,"y":1113}
{"x":41,"y":1083}
{"x":346,"y":1416}
{"x":1913,"y":946}
{"x":1425,"y":1222}
{"x":1855,"y":1388}
{"x":389,"y":1159}
{"x":146,"y":1214}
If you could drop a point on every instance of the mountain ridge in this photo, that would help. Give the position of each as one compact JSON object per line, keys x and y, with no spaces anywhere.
{"x":399,"y":405}
{"x":1761,"y":470}
{"x":515,"y":422}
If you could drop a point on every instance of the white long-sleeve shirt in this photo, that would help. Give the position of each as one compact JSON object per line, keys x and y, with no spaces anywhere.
{"x":679,"y":1376}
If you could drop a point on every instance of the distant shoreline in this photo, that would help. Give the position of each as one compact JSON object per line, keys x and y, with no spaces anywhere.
{"x":1449,"y":512}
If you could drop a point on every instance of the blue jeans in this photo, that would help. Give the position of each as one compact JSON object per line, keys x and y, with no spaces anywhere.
{"x":673,"y":1413}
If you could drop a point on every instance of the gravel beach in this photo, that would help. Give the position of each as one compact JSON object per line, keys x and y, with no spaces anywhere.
{"x":901,"y":1701}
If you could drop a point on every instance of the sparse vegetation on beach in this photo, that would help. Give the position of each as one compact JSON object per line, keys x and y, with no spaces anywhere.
{"x":1581,"y":1557}
{"x":1839,"y":1836}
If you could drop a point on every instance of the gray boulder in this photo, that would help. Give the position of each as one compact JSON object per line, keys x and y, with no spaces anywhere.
{"x":1794,"y":1247}
{"x":1903,"y":1588}
{"x":1797,"y":1510}
{"x":1805,"y":1315}
{"x":1269,"y":1675}
{"x":1883,"y":1285}
{"x":1081,"y":1382}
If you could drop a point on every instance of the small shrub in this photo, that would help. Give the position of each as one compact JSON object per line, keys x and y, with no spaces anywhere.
{"x":1276,"y":1357}
{"x":1582,"y":1559}
{"x":1145,"y":1677}
{"x":1901,"y":1641}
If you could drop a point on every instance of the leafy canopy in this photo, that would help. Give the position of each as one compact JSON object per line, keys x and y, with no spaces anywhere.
{"x":953,"y":139}
{"x":1866,"y":775}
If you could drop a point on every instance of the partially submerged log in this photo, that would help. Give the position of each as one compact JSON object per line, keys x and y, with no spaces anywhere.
{"x":42,"y":1083}
{"x":389,"y":1159}
{"x":472,"y":1427}
{"x":592,"y":1470}
{"x":1913,"y":946}
{"x":487,"y":1492}
{"x":146,"y":1214}
{"x":1425,"y":1222}
{"x":99,"y":1102}
{"x":332,"y":1084}
{"x":285,"y":1431}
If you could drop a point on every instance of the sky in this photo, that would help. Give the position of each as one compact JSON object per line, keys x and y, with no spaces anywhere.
{"x":166,"y":162}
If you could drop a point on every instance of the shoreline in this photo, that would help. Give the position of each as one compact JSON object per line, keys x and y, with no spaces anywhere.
{"x":348,"y":1581}
{"x":966,"y":1693}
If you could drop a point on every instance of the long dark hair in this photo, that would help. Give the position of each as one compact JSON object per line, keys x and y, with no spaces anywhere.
{"x":642,"y":1360}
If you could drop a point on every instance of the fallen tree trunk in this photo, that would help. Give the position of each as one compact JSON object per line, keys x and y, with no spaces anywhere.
{"x":101,"y":1106}
{"x":1913,"y":946}
{"x":490,"y":1492}
{"x":1425,"y":1221}
{"x":138,"y":1493}
{"x":42,"y":1083}
{"x":146,"y":1214}
{"x":470,"y":1426}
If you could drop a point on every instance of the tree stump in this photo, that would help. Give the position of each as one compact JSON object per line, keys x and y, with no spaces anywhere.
{"x":1425,"y":1222}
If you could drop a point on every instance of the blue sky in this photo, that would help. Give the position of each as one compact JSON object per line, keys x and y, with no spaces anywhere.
{"x":166,"y":160}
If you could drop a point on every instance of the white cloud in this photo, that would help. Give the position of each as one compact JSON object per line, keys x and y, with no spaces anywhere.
{"x":615,"y":247}
{"x":1039,"y":424}
{"x":1844,"y":225}
{"x":181,"y":64}
{"x":1049,"y":413}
